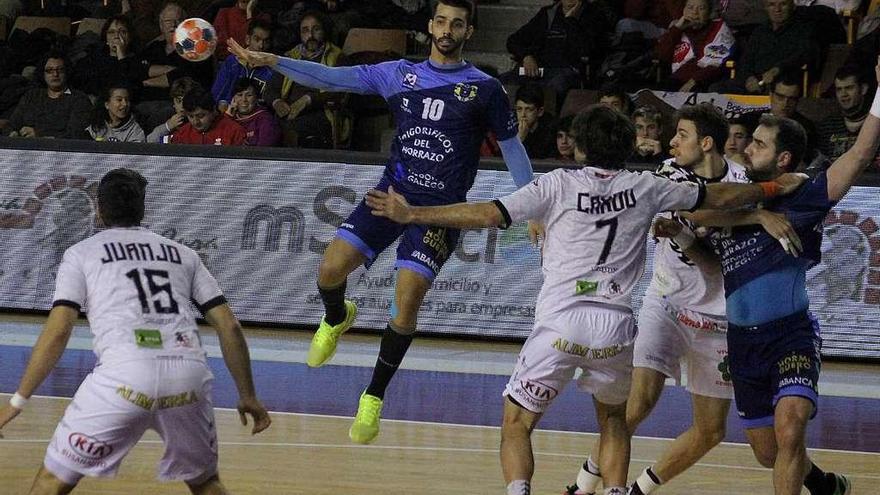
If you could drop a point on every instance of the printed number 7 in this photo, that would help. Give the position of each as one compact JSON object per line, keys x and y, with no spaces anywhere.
{"x":612,"y":231}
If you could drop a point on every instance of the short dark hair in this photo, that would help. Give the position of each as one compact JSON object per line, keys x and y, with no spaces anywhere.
{"x":788,"y":78}
{"x":532,"y":94}
{"x":198,"y":98}
{"x":605,"y":135}
{"x":56,"y":54}
{"x":322,"y":19}
{"x":749,"y":120}
{"x":564,"y":124}
{"x":121,"y":194}
{"x":100,"y":114}
{"x":850,"y":70}
{"x":258,"y":23}
{"x":461,"y":4}
{"x":617,"y":92}
{"x":709,"y":121}
{"x":133,"y":44}
{"x":790,"y":137}
{"x":244,"y":83}
{"x":181,"y":86}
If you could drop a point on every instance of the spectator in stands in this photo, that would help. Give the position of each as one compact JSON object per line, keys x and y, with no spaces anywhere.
{"x":53,"y":111}
{"x":536,"y":129}
{"x":785,"y":94}
{"x":739,"y":136}
{"x":112,"y":119}
{"x":696,"y":47}
{"x":234,"y":22}
{"x":649,"y":126}
{"x":260,"y":124}
{"x":837,"y":133}
{"x":565,"y":140}
{"x":179,"y":89}
{"x":412,"y":15}
{"x":232,"y":69}
{"x":615,"y":98}
{"x":559,"y":40}
{"x":115,"y":59}
{"x":205,"y":125}
{"x":165,"y":64}
{"x":304,"y":113}
{"x":784,"y":44}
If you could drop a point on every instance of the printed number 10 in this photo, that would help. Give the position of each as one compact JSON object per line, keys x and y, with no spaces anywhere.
{"x":432,"y":109}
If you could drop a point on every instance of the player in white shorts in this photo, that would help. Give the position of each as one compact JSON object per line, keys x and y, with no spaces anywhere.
{"x":682,"y":318}
{"x":596,"y":219}
{"x":152,"y":372}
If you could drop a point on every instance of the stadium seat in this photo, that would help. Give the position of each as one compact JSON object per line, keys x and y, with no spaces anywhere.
{"x":90,"y":25}
{"x":577,"y":100}
{"x":28,"y":24}
{"x":375,"y":40}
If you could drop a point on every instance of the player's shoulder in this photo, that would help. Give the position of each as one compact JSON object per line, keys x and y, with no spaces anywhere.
{"x":669,"y":169}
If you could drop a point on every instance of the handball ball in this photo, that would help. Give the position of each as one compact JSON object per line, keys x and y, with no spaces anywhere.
{"x":195,"y":39}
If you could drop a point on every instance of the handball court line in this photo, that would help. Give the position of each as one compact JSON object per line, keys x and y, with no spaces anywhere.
{"x":449,"y":449}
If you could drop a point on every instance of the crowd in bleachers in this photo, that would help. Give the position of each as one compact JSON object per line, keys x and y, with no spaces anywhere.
{"x":114,"y":75}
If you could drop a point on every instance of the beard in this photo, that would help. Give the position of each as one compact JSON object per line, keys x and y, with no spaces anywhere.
{"x":755,"y":175}
{"x":453,"y":47}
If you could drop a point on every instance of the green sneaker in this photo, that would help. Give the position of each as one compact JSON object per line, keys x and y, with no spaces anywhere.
{"x":841,"y":484}
{"x":365,"y":428}
{"x":323,"y":345}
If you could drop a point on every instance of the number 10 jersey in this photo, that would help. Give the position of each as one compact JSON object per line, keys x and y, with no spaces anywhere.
{"x":137,"y":287}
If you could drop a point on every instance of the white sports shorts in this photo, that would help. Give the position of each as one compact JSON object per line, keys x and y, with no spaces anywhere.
{"x":669,"y":334}
{"x":116,"y":404}
{"x":597,"y":339}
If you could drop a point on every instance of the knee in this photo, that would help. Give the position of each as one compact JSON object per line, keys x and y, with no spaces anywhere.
{"x":331,"y":272}
{"x":790,"y":436}
{"x":713,"y":435}
{"x":612,"y":416}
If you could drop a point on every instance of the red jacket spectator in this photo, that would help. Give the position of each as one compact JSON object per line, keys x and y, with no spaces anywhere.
{"x":232,"y":22}
{"x":686,"y":51}
{"x":223,"y":132}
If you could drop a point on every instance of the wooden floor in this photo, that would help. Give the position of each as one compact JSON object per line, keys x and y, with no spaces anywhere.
{"x":304,"y":454}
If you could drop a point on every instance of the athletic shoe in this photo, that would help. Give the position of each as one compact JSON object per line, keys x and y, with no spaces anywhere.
{"x":323,"y":345}
{"x":841,"y":484}
{"x":365,"y":428}
{"x":573,"y":490}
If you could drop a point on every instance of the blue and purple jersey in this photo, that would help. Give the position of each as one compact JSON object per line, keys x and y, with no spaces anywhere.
{"x":442,"y":116}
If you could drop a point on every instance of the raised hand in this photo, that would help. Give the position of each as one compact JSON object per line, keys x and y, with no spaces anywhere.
{"x":250,"y":57}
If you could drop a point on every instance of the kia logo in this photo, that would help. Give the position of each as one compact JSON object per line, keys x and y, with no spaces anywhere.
{"x":90,"y":447}
{"x":538,"y":390}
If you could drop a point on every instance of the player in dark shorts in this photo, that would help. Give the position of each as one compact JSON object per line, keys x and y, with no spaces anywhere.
{"x":773,"y":339}
{"x":443,"y":108}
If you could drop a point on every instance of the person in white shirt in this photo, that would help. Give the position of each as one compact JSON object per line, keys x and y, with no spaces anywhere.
{"x":596,"y":219}
{"x":152,"y":372}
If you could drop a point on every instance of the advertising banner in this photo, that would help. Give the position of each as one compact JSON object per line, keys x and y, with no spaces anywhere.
{"x":261,"y":226}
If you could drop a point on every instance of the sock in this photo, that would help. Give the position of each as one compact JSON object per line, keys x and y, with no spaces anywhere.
{"x":334,"y":304}
{"x":391,"y":352}
{"x":615,"y":490}
{"x":519,"y":487}
{"x":646,"y":483}
{"x":589,"y":477}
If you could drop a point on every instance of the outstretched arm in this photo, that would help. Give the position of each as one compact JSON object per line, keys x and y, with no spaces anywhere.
{"x":846,"y":169}
{"x":309,"y":74}
{"x":517,"y":160}
{"x":45,"y":355}
{"x":460,"y":215}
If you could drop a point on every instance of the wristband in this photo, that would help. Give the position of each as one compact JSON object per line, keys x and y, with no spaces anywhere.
{"x":770,"y":189}
{"x":18,"y":401}
{"x":684,"y":239}
{"x":875,"y":107}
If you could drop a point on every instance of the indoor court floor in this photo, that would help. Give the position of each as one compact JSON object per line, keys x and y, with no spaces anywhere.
{"x":440,"y":429}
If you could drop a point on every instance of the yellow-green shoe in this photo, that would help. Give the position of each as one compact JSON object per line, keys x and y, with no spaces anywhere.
{"x":365,"y":428}
{"x":323,"y":345}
